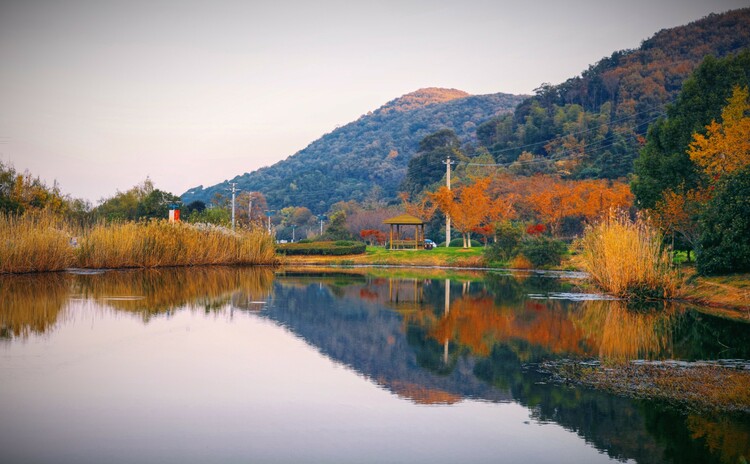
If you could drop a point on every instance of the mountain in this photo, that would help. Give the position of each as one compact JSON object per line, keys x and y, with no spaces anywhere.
{"x":590,"y":126}
{"x":598,"y":119}
{"x":368,"y":157}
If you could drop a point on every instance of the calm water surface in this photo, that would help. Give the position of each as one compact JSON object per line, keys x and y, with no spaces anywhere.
{"x":248,"y":365}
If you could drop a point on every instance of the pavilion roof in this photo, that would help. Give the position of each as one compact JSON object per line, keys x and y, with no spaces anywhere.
{"x":404,"y":219}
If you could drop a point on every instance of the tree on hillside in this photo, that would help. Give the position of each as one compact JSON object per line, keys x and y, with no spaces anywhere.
{"x":427,"y":166}
{"x":664,"y":163}
{"x":724,"y":244}
{"x":726,"y":146}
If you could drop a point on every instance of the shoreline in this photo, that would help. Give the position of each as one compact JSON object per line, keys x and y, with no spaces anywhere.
{"x":713,"y":386}
{"x":725,"y":295}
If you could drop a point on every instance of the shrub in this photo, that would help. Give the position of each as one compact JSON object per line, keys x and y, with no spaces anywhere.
{"x":322,"y":248}
{"x":626,"y":258}
{"x":724,"y":244}
{"x":508,"y":237}
{"x":543,"y":251}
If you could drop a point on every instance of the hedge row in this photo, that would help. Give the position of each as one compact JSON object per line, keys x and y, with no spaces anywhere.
{"x":339,"y":248}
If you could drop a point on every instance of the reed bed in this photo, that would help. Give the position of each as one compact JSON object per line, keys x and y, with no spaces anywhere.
{"x":159,"y":243}
{"x":34,"y":242}
{"x":626,"y":258}
{"x":42,"y":241}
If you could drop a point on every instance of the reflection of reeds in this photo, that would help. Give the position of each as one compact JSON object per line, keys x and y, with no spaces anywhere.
{"x":724,"y":435}
{"x":622,"y":333}
{"x":155,"y":291}
{"x":159,"y":243}
{"x":31,"y":304}
{"x":34,"y":242}
{"x":626,"y":258}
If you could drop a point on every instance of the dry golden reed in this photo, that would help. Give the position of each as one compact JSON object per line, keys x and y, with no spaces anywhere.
{"x":42,"y":241}
{"x":158,"y":243}
{"x":34,"y":242}
{"x":626,"y":258}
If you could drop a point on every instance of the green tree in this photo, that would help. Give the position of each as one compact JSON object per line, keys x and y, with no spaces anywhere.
{"x":724,"y":244}
{"x":336,"y":229}
{"x":427,"y":166}
{"x":664,"y":163}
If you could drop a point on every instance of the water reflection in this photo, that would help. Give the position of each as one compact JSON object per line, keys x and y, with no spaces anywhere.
{"x":33,"y":304}
{"x":436,"y":339}
{"x":441,"y":341}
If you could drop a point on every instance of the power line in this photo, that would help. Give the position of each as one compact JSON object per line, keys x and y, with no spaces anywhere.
{"x":603,"y":143}
{"x":615,"y":121}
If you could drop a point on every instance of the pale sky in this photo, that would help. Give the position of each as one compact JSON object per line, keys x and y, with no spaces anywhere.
{"x":99,"y":94}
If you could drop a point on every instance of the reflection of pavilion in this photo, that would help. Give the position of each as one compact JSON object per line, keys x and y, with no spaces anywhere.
{"x":405,"y":294}
{"x":408,"y":295}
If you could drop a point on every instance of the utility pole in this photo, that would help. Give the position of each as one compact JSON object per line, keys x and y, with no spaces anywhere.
{"x":234,"y":191}
{"x":269,"y":213}
{"x":448,"y":163}
{"x":321,"y":217}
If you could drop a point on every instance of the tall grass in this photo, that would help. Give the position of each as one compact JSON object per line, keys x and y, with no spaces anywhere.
{"x":42,"y":241}
{"x":34,"y":242}
{"x":626,"y":258}
{"x":159,"y":243}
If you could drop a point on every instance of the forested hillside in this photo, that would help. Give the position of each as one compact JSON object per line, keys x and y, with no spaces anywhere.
{"x":593,"y":125}
{"x":368,"y":157}
{"x":590,"y":126}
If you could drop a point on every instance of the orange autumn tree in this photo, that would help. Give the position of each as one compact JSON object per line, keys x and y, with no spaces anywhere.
{"x":726,"y":146}
{"x":677,"y":213}
{"x":553,"y":199}
{"x":423,"y":208}
{"x":469,"y":207}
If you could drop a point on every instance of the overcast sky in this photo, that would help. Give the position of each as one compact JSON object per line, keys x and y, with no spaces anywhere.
{"x":100,"y":94}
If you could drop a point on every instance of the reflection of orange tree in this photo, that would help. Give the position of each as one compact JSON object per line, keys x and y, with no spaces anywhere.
{"x":478,"y":323}
{"x":31,"y":304}
{"x":622,"y":334}
{"x":724,"y":436}
{"x":155,"y":291}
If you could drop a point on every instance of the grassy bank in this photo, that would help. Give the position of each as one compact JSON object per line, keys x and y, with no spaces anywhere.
{"x":43,"y":242}
{"x":441,"y":256}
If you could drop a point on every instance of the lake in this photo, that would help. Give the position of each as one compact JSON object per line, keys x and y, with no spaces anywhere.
{"x":341,"y":366}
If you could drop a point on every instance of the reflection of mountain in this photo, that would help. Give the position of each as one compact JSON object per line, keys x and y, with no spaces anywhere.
{"x":369,"y":338}
{"x":397,"y":333}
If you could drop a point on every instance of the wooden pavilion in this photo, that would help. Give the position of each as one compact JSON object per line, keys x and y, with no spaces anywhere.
{"x":397,"y":241}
